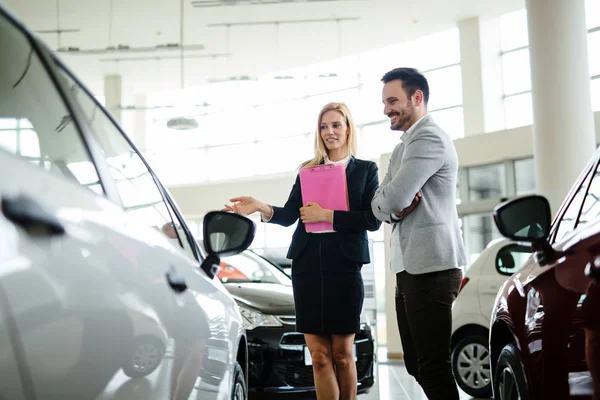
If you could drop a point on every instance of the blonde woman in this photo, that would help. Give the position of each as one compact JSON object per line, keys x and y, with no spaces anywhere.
{"x":326,"y":278}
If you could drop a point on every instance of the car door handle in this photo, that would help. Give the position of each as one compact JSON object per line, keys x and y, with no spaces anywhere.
{"x":176,"y":282}
{"x":27,"y":213}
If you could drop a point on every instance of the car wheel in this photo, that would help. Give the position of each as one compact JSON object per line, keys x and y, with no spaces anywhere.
{"x":509,"y":379}
{"x":239,"y":392}
{"x":471,"y":366}
{"x":145,"y":356}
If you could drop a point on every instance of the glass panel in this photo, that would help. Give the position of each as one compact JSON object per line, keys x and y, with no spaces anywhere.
{"x":591,"y":205}
{"x":225,"y":127}
{"x":595,"y":94}
{"x":479,"y":230}
{"x":525,"y":176}
{"x":375,"y":140}
{"x":30,"y":96}
{"x":139,"y":193}
{"x":249,"y":267}
{"x":370,"y":108}
{"x":516,"y":72}
{"x":282,"y":119}
{"x":518,"y":111}
{"x":592,"y":14}
{"x":30,"y":144}
{"x":234,"y":161}
{"x":8,"y":141}
{"x":567,"y":221}
{"x":487,"y":182}
{"x":180,"y":167}
{"x":451,"y":121}
{"x":445,"y":87}
{"x":513,"y":30}
{"x":270,"y":156}
{"x":593,"y":41}
{"x":8,"y":123}
{"x":447,"y":50}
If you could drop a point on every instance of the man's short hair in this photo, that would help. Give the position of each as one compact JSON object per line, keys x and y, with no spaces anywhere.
{"x":412,"y":80}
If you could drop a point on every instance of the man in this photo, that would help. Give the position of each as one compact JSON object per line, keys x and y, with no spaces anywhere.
{"x":427,"y":248}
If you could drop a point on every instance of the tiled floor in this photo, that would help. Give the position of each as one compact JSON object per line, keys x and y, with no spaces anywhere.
{"x":393,"y":383}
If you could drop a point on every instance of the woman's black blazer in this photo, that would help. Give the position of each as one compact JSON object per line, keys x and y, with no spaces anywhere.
{"x":351,"y":226}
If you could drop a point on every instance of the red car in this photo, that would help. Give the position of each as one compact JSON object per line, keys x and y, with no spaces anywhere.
{"x":545,"y":326}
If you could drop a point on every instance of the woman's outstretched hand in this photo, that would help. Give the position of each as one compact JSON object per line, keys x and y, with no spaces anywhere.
{"x":246,"y":205}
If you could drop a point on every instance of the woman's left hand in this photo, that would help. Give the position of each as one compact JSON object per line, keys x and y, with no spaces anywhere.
{"x":312,"y":212}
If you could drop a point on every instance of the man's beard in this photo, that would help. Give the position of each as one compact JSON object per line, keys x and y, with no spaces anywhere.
{"x":404,"y":118}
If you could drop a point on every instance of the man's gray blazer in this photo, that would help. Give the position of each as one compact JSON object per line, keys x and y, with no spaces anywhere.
{"x":430,"y":237}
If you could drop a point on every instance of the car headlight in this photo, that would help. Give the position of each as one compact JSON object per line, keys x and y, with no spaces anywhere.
{"x":253,"y":319}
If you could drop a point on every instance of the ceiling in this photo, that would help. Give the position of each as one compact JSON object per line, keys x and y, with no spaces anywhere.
{"x":308,"y":31}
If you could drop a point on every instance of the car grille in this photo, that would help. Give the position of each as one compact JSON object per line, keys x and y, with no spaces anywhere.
{"x":302,"y":376}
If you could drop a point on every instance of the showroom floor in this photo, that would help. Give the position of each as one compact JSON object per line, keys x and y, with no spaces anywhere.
{"x":392,"y":382}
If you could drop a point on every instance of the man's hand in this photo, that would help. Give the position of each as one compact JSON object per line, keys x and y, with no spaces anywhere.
{"x":412,"y":206}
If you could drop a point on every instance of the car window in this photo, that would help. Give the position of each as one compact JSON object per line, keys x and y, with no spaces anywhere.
{"x":35,"y":124}
{"x":140,"y":194}
{"x":511,"y":258}
{"x":568,"y":220}
{"x":247,"y":266}
{"x":591,"y":205}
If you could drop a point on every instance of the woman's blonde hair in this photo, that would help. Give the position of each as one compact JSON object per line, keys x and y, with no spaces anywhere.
{"x":320,"y":148}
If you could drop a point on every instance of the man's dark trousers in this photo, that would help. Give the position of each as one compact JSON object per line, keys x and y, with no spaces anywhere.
{"x":424,"y":313}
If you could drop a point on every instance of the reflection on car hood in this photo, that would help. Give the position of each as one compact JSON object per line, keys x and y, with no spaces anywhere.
{"x":268,"y":298}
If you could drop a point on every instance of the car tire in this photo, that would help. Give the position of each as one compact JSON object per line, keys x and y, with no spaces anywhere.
{"x":509,"y":379}
{"x":145,"y":356}
{"x":471,"y":366}
{"x":239,"y":390}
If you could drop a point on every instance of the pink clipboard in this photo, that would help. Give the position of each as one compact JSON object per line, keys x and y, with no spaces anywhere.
{"x":325,"y":185}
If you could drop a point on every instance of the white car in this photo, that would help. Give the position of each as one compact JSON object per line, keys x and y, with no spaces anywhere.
{"x":103,"y":290}
{"x":472,"y":311}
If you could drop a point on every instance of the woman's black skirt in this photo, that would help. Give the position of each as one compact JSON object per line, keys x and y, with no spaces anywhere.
{"x":328,"y":288}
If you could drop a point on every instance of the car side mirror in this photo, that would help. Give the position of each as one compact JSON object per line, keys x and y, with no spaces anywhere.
{"x":225,"y":234}
{"x":526,"y":219}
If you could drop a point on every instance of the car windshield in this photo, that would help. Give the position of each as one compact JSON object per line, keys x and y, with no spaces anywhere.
{"x":250,"y":267}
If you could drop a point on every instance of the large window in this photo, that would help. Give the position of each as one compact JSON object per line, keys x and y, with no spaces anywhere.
{"x":478,"y":230}
{"x":241,"y":122}
{"x":516,"y":69}
{"x":486,"y":182}
{"x":524,"y":176}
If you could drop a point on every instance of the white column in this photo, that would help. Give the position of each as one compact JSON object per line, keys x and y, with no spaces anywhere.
{"x":563,"y":129}
{"x":394,"y":345}
{"x":113,"y":94}
{"x":481,"y":68}
{"x":472,"y":84}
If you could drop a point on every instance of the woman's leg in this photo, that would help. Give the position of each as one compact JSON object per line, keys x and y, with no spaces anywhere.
{"x":343,"y":358}
{"x":321,"y":352}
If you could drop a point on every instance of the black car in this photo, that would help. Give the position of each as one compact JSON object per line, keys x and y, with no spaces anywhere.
{"x":278,"y":359}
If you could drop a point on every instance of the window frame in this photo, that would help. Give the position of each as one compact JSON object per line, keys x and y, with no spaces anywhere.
{"x":101,"y":165}
{"x":585,"y":176}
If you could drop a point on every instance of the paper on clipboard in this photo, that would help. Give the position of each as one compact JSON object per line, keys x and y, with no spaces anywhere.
{"x":325,"y":185}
